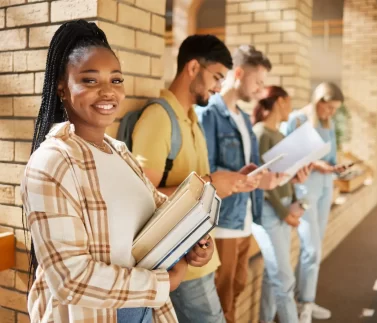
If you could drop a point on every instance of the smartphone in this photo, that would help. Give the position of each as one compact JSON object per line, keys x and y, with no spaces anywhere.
{"x":349,"y":165}
{"x":266,"y":165}
{"x":353,"y":164}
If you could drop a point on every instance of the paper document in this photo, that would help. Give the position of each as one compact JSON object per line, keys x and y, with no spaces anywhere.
{"x":302,"y":147}
{"x":266,"y":165}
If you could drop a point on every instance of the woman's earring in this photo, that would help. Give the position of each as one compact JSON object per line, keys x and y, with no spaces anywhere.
{"x":65,"y":114}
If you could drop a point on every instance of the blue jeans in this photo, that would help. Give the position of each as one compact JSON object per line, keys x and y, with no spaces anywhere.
{"x":319,"y":190}
{"x":134,"y":315}
{"x":274,"y":239}
{"x":197,"y":301}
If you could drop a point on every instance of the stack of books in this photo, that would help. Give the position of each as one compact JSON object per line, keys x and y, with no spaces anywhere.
{"x":183,"y":220}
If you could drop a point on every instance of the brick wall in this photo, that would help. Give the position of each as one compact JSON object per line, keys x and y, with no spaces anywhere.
{"x":282,"y":30}
{"x":135,"y":29}
{"x":360,"y":76}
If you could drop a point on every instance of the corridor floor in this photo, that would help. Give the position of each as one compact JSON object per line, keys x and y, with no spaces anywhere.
{"x":348,"y":276}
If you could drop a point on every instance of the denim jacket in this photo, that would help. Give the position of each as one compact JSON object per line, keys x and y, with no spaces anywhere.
{"x":226,"y":152}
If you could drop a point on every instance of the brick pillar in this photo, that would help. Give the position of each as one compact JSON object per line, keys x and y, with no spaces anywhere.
{"x":183,"y":25}
{"x":282,"y":30}
{"x":184,"y":20}
{"x":359,"y":79}
{"x":135,"y":29}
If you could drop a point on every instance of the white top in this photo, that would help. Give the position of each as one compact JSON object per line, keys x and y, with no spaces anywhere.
{"x":121,"y":190}
{"x":222,"y":233}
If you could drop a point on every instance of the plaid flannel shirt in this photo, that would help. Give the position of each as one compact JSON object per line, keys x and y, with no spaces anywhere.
{"x":67,"y":217}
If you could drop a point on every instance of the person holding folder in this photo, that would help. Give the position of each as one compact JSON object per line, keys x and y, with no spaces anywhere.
{"x":317,"y":190}
{"x":281,"y":212}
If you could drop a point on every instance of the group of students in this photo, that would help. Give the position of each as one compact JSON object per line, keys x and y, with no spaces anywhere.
{"x":84,"y":192}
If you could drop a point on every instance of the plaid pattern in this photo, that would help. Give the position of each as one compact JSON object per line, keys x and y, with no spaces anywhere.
{"x":67,"y":217}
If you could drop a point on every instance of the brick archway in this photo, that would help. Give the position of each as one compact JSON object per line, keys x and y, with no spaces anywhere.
{"x":184,"y":20}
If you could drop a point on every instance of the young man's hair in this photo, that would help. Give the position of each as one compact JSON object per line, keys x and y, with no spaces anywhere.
{"x":249,"y":56}
{"x":205,"y":49}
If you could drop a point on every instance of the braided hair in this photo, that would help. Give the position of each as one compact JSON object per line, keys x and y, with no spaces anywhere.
{"x":68,"y":44}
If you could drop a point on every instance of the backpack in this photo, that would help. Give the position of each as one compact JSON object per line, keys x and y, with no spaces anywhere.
{"x":127,"y":126}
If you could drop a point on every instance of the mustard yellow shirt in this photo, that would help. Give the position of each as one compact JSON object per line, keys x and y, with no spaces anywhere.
{"x":151,"y":142}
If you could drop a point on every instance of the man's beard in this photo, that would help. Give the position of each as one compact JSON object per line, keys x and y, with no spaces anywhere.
{"x":244,"y":97}
{"x":200,"y":101}
{"x":198,"y":83}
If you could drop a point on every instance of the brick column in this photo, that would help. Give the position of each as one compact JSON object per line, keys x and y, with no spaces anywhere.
{"x":359,"y":79}
{"x":135,"y":29}
{"x":184,"y":20}
{"x":282,"y":30}
{"x":184,"y":14}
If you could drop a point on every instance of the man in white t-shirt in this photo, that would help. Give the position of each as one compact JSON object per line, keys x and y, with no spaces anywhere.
{"x":232,"y":145}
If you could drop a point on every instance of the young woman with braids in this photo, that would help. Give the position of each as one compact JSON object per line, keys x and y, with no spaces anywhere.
{"x":85,"y":197}
{"x":281,"y":212}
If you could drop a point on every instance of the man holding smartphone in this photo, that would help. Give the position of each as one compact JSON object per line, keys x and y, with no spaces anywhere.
{"x":232,"y":145}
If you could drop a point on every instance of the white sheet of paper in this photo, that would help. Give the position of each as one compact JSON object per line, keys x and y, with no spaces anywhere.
{"x":367,"y":312}
{"x":302,"y":147}
{"x":266,"y":165}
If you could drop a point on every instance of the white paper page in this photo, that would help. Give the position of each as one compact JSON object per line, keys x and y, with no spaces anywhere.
{"x":298,"y":145}
{"x":312,"y":157}
{"x":317,"y":154}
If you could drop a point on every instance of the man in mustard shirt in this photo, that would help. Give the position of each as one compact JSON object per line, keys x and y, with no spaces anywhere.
{"x":203,"y":61}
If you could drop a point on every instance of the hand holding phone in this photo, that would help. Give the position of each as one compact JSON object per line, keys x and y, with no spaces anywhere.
{"x":340,"y":168}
